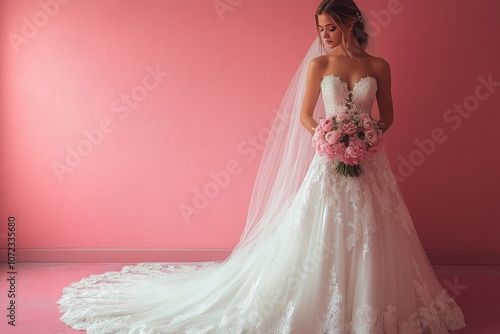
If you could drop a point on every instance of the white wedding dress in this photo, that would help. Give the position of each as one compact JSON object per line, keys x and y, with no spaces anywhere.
{"x":344,"y":257}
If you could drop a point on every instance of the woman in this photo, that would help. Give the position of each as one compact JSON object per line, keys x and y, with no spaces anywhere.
{"x":321,"y":252}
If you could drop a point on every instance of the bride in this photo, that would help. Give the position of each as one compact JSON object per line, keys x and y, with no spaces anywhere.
{"x":320,"y":252}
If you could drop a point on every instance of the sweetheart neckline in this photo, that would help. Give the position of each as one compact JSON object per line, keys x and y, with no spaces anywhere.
{"x":345,"y":83}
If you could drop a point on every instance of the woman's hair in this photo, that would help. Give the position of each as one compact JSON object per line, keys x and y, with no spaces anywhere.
{"x":344,"y":12}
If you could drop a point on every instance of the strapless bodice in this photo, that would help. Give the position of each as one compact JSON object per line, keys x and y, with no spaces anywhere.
{"x":336,"y":93}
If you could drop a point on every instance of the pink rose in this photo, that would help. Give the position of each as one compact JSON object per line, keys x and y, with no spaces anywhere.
{"x":327,"y":125}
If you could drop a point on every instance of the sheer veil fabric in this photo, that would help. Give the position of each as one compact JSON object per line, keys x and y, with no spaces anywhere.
{"x":286,"y":157}
{"x":88,"y":304}
{"x":320,"y":252}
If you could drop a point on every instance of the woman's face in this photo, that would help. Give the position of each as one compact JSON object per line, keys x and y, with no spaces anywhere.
{"x":331,"y":34}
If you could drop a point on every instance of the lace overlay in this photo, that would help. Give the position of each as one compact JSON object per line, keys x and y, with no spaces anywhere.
{"x":344,"y":258}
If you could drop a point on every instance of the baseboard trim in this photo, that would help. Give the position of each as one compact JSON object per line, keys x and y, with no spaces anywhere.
{"x":131,"y":255}
{"x":464,"y":257}
{"x":120,"y":255}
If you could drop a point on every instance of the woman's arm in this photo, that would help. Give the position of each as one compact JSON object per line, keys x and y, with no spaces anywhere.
{"x":313,"y":81}
{"x":384,"y":96}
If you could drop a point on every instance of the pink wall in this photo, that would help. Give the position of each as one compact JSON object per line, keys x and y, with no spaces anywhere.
{"x":76,"y":69}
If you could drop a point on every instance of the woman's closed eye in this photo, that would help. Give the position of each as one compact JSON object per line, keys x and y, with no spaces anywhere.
{"x":330,"y":29}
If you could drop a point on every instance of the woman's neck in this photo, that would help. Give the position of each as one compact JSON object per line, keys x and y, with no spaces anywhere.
{"x":341,"y":51}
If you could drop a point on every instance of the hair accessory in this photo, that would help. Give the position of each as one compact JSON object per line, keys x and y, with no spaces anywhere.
{"x":360,"y":17}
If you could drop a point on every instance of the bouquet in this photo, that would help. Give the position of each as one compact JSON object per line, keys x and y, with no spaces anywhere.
{"x":350,"y":136}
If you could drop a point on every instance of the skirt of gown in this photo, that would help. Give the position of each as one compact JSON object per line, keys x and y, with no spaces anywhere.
{"x":344,"y":258}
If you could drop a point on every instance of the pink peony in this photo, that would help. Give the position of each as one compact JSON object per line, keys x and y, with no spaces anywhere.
{"x":367,"y":124}
{"x":339,"y":149}
{"x":318,"y":134}
{"x":349,"y":128}
{"x":347,"y":122}
{"x":364,"y":116}
{"x":356,"y":149}
{"x":332,"y":137}
{"x":329,"y":152}
{"x":371,"y":136}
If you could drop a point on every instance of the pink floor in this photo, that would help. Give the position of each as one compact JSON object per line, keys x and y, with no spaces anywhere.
{"x":476,"y":289}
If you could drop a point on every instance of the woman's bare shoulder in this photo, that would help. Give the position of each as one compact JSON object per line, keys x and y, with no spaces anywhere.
{"x":321,"y":60}
{"x":379,"y":64}
{"x":319,"y":64}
